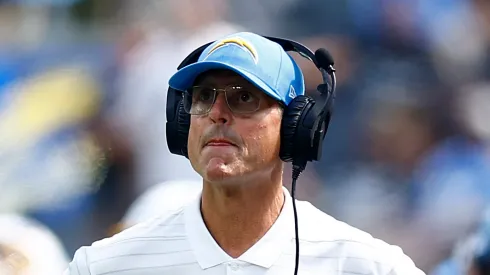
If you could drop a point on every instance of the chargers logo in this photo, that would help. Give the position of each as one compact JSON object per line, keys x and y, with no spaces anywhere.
{"x":292,"y":92}
{"x":237,"y":41}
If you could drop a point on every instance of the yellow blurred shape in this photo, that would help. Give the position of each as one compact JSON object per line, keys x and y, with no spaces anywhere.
{"x":47,"y":102}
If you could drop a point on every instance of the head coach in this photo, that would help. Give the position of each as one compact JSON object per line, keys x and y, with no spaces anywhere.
{"x":237,"y":111}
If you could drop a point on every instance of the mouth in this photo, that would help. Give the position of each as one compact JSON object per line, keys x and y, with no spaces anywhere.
{"x":219,"y":143}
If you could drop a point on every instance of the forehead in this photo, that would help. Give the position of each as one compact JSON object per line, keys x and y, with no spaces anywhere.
{"x":221,"y":78}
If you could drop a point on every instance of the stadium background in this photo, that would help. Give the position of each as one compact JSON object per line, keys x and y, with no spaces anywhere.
{"x":82,"y":109}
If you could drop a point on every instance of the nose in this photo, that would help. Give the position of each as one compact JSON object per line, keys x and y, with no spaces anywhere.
{"x":220,"y":112}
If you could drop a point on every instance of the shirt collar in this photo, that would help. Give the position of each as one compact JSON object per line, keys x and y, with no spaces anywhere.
{"x":208,"y":253}
{"x":264,"y":253}
{"x":270,"y":247}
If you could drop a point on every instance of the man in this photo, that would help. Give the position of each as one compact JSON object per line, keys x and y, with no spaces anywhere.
{"x":242,"y":223}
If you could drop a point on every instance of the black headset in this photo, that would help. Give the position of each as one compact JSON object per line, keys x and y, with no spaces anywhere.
{"x":305,"y":120}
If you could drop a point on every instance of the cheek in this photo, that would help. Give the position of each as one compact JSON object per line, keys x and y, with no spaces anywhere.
{"x":263,"y":139}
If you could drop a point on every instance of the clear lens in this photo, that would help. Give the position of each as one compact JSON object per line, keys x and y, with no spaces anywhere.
{"x":199,"y":100}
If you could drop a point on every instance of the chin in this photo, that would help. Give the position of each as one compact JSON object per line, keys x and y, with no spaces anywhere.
{"x":219,"y":171}
{"x":218,"y":174}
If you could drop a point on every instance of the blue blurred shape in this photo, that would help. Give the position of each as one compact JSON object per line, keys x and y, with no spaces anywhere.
{"x":41,"y":2}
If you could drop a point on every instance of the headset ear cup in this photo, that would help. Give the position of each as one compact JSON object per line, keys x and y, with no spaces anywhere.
{"x":183,"y":125}
{"x":289,"y":126}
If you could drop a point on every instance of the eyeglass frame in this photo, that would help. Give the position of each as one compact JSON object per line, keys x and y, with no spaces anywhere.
{"x":188,"y":94}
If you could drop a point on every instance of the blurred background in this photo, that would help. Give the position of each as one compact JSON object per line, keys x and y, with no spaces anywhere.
{"x":82,"y":114}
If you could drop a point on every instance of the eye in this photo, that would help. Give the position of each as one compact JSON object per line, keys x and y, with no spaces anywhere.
{"x":202,"y":94}
{"x":205,"y":95}
{"x":245,"y":96}
{"x":242,"y":95}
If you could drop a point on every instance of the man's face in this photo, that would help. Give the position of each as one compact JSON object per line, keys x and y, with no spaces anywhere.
{"x":254,"y":137}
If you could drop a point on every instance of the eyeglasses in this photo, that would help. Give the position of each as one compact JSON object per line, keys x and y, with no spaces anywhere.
{"x":200,"y":99}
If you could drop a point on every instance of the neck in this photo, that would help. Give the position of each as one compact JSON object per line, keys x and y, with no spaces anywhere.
{"x":238,"y":216}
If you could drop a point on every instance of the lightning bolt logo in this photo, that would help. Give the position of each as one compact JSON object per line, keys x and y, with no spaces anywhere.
{"x":237,"y":41}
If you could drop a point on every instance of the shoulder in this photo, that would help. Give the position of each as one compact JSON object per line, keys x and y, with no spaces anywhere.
{"x":324,"y":237}
{"x":133,"y":247}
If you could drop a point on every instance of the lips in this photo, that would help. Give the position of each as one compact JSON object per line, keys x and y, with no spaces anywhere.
{"x":219,"y":142}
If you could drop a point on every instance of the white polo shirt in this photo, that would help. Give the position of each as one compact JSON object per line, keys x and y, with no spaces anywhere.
{"x":179,"y":243}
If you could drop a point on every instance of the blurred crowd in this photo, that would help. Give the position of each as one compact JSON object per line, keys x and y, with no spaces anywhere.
{"x":83,"y":109}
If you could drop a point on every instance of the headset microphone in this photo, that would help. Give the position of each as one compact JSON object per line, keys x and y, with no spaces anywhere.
{"x":317,"y":118}
{"x":324,"y":59}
